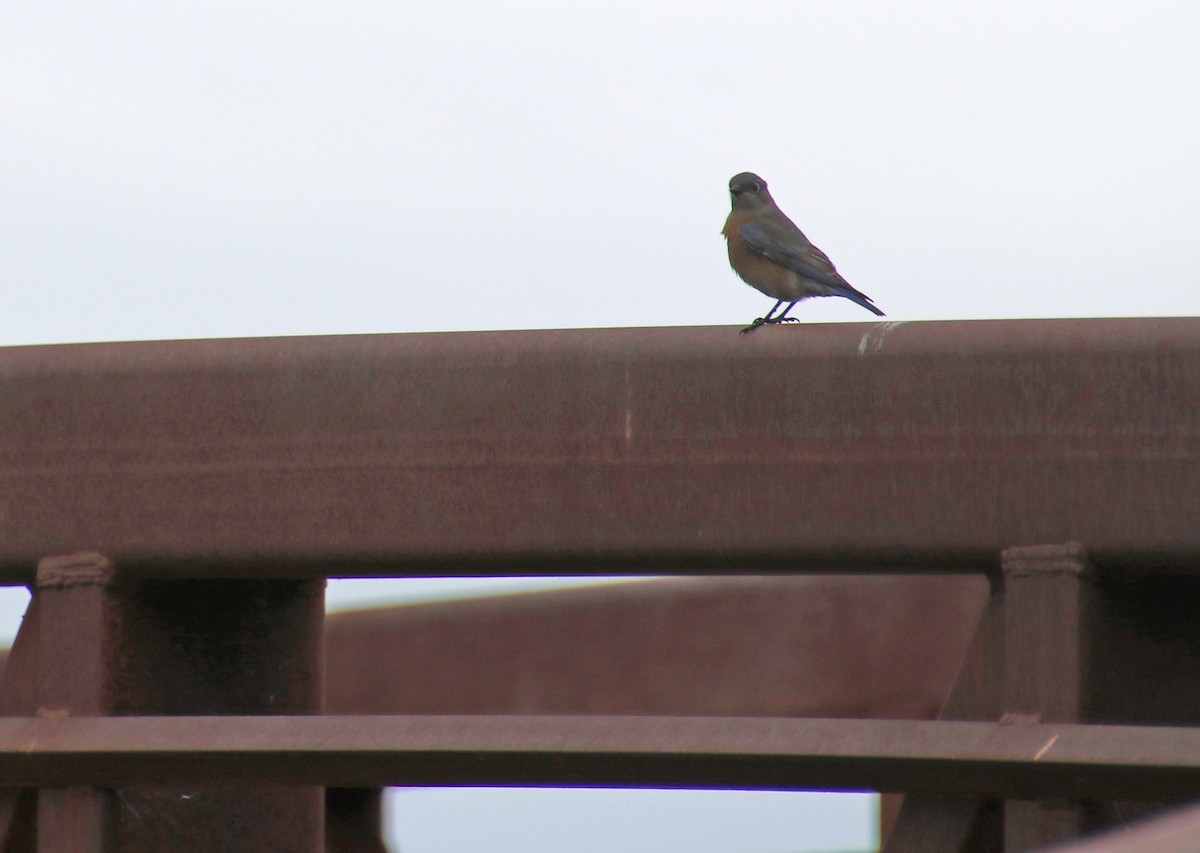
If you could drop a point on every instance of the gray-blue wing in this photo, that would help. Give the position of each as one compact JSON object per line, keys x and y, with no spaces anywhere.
{"x":786,"y":245}
{"x":789,"y":247}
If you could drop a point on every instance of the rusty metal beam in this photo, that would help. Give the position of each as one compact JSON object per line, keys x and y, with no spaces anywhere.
{"x":857,"y":446}
{"x":96,"y":643}
{"x":986,"y":759}
{"x":864,"y":646}
{"x":1050,"y":606}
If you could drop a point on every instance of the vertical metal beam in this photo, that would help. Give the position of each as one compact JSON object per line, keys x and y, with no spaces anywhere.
{"x":1050,"y":607}
{"x":113,"y":644}
{"x":77,"y":616}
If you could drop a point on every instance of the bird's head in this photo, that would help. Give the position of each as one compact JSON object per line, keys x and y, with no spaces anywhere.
{"x":749,"y":192}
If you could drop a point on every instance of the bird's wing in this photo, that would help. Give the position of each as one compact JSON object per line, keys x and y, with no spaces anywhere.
{"x":787,"y":246}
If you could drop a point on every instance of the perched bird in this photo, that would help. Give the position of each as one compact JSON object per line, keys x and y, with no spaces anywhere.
{"x":770,"y":253}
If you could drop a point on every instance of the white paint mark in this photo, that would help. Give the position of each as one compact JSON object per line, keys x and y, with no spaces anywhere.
{"x":1045,"y":748}
{"x":876,"y":334}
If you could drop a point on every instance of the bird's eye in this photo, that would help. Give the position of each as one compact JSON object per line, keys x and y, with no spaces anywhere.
{"x":754,"y":188}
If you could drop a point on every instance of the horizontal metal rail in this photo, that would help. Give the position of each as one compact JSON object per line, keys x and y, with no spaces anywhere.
{"x":1020,"y":760}
{"x":872,"y":446}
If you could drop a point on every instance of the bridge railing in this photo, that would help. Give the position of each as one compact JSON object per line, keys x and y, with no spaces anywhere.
{"x":177,"y":506}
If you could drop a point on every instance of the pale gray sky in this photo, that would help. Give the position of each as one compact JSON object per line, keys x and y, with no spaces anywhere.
{"x":266,"y":168}
{"x":222,"y":169}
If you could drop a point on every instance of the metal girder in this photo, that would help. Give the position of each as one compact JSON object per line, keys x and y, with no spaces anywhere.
{"x":985,"y":759}
{"x":95,"y":643}
{"x":843,"y":446}
{"x":827,"y":646}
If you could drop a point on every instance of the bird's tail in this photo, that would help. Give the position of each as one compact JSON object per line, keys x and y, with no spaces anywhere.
{"x":858,"y":299}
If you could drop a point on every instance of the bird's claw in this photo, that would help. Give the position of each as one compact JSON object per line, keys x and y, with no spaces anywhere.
{"x":763,"y":321}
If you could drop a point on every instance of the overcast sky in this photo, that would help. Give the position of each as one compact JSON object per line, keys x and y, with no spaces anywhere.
{"x":266,"y":168}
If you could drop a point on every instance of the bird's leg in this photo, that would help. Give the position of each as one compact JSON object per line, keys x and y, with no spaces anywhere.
{"x":771,"y":319}
{"x":758,"y":321}
{"x":784,"y":318}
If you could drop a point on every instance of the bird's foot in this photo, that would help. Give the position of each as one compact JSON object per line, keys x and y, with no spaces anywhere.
{"x":763,"y":321}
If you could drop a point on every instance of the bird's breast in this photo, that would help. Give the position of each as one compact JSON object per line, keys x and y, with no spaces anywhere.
{"x":757,"y":270}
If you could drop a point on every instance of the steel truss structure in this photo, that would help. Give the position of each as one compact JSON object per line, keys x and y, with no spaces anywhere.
{"x":993,"y":523}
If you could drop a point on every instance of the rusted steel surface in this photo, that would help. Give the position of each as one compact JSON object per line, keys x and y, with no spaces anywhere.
{"x":863,"y":646}
{"x":79,"y":617}
{"x":97,"y":642}
{"x":987,"y":759}
{"x":1050,"y":600}
{"x":1175,"y":832}
{"x":850,"y":446}
{"x":1061,"y":641}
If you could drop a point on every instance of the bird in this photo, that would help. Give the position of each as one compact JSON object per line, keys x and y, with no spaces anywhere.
{"x":770,"y":253}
